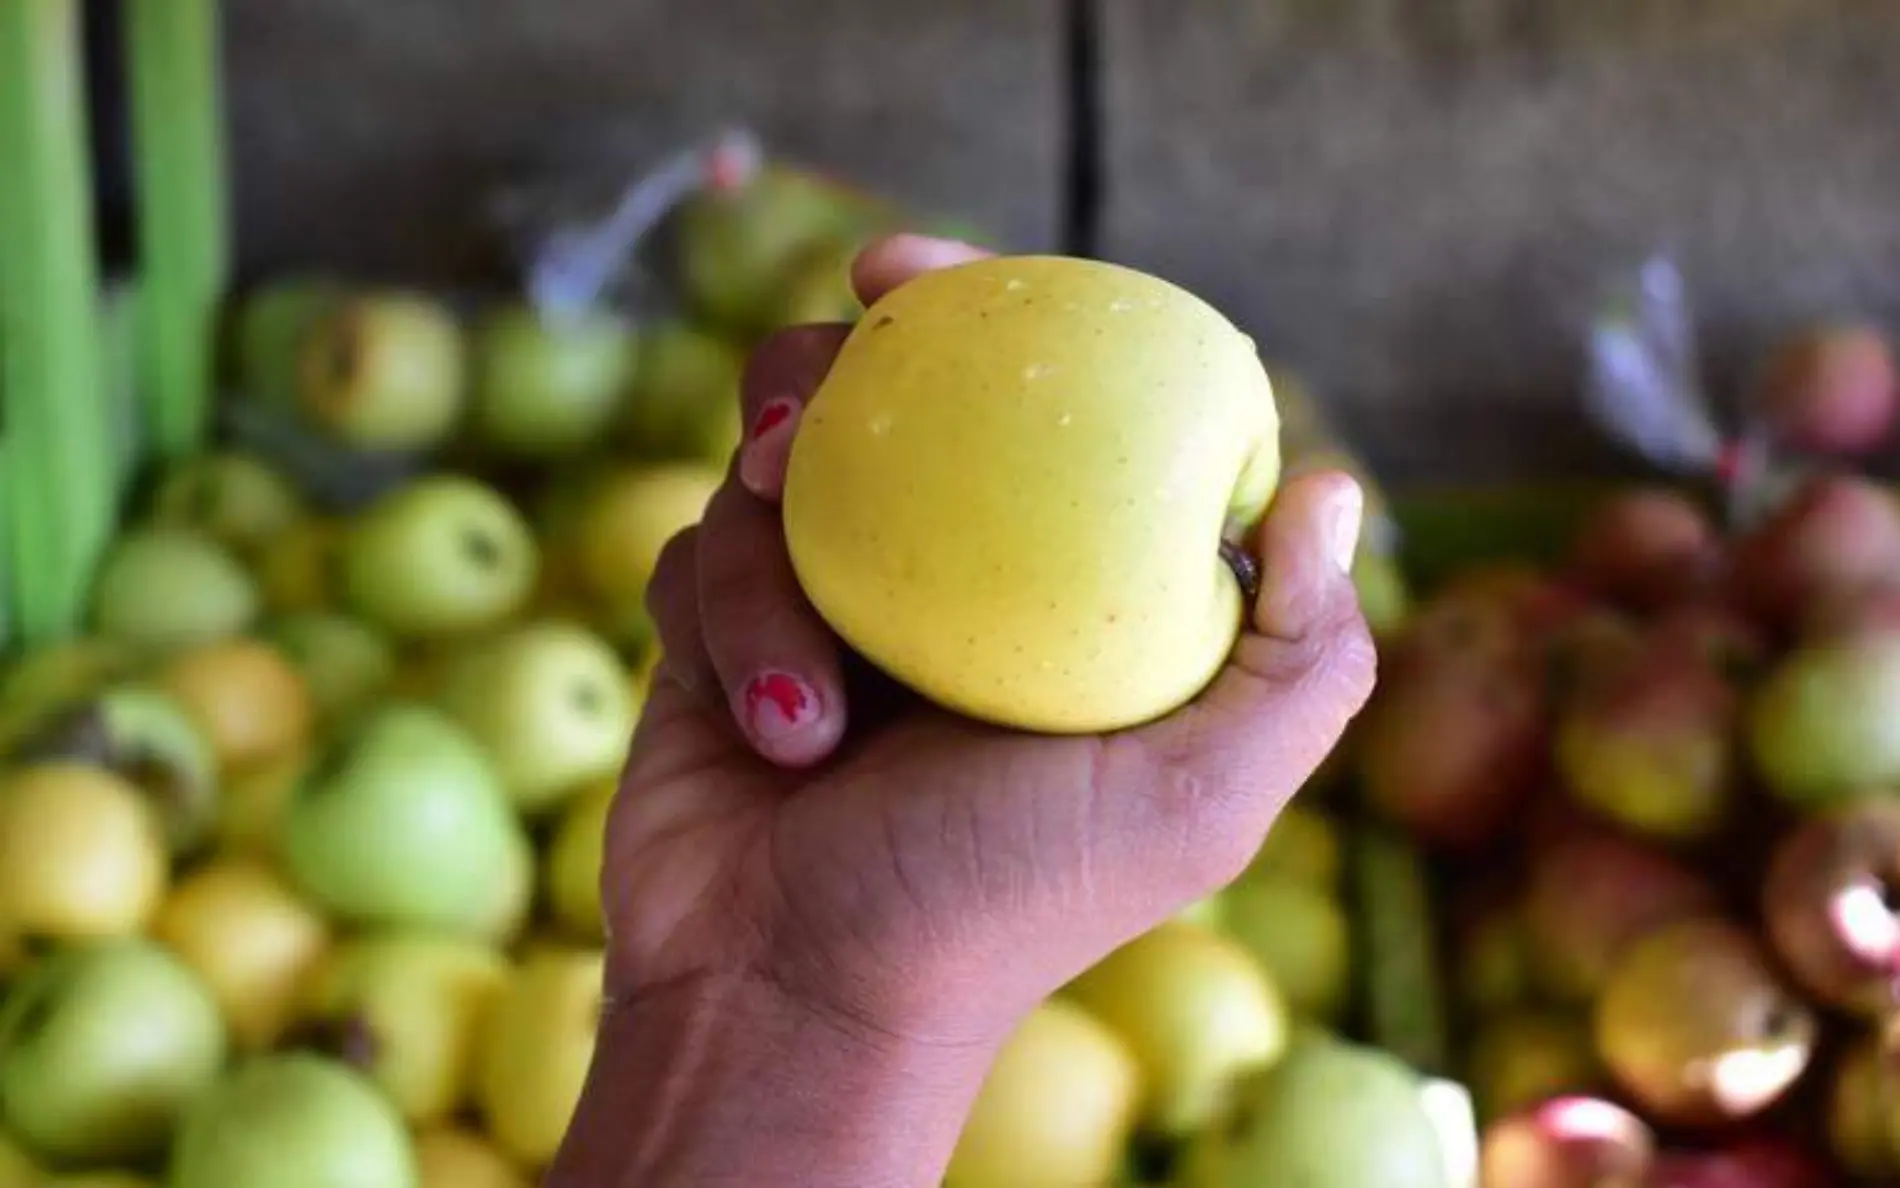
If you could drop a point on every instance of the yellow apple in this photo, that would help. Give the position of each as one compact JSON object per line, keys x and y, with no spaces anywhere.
{"x":1013,"y":489}
{"x":249,"y":937}
{"x":572,"y":872}
{"x":538,"y":1045}
{"x":81,"y":854}
{"x":627,"y":518}
{"x":450,"y":1157}
{"x":407,"y":1009}
{"x":1198,"y":1012}
{"x":16,"y":1167}
{"x":1056,"y":1109}
{"x":247,"y":697}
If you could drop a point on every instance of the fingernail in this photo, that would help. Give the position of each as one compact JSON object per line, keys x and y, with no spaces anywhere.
{"x":1345,"y":510}
{"x":768,"y":446}
{"x":778,"y":704}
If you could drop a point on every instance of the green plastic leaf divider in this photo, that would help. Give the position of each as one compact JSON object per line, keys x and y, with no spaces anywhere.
{"x":1402,"y":995}
{"x":59,"y":502}
{"x":1446,"y":528}
{"x":179,"y":166}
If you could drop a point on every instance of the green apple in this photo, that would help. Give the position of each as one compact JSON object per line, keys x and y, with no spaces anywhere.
{"x":450,"y":1157}
{"x":384,"y":371}
{"x":168,"y":587}
{"x":1302,"y":847}
{"x":101,"y":1047}
{"x":99,"y":1179}
{"x":234,"y":498}
{"x":407,"y":1008}
{"x":148,"y":737}
{"x":1196,"y":1010}
{"x":255,"y":802}
{"x":544,"y":386}
{"x":1331,"y":1115}
{"x":268,"y":333}
{"x":685,"y":401}
{"x":1520,"y":1058}
{"x":573,"y":868}
{"x":251,"y":939}
{"x":1822,"y":724}
{"x":403,"y":822}
{"x":552,"y":703}
{"x":82,"y":856}
{"x":738,"y":244}
{"x":297,"y":569}
{"x":537,"y":1046}
{"x":344,"y":661}
{"x":1300,"y":936}
{"x":443,"y":556}
{"x":818,"y":286}
{"x":625,"y":519}
{"x":1056,"y":1110}
{"x":1014,"y":489}
{"x":292,"y":1120}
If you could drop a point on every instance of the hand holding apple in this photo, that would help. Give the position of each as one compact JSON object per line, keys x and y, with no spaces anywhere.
{"x":934,"y":879}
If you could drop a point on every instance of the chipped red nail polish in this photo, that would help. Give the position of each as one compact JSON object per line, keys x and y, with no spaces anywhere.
{"x":777,"y":703}
{"x":774,"y":414}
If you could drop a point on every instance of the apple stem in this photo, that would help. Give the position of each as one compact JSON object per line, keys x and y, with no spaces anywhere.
{"x":1246,"y":569}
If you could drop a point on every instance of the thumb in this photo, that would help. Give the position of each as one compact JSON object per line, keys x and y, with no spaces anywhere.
{"x":1221,"y":769}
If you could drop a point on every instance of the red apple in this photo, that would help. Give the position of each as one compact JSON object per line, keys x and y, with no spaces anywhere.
{"x":1832,"y":390}
{"x":1837,"y":533}
{"x":1758,"y":1164}
{"x":1568,"y":1142}
{"x":1831,"y":903}
{"x":1498,"y":612}
{"x":1593,"y":893}
{"x":1646,"y":548}
{"x":1450,"y":749}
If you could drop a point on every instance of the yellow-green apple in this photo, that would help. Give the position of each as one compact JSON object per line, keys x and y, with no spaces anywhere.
{"x":625,"y":518}
{"x":403,"y":822}
{"x":384,"y":370}
{"x":1699,"y":1027}
{"x":167,"y":587}
{"x":1197,"y":1011}
{"x":573,"y":868}
{"x":344,"y":661}
{"x":547,"y":385}
{"x":454,"y":1157}
{"x":406,"y":1008}
{"x":1017,"y":489}
{"x":292,"y":1120}
{"x":685,"y":401}
{"x":536,"y":1048}
{"x":552,"y":704}
{"x":101,"y":1047}
{"x":268,"y":332}
{"x":249,"y":937}
{"x":1012,"y":1136}
{"x":234,"y":498}
{"x":297,"y":569}
{"x":81,"y":855}
{"x":443,"y":556}
{"x":1300,"y":935}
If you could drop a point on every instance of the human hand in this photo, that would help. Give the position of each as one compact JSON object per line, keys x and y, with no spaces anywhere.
{"x":793,"y":827}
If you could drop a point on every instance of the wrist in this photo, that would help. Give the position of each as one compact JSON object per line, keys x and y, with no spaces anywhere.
{"x":734,"y":1081}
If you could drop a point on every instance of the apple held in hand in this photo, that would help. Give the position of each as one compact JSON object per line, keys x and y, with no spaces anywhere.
{"x":1014,"y":490}
{"x":101,"y":1048}
{"x":292,"y":1120}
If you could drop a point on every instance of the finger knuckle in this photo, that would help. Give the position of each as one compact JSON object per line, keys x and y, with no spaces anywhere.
{"x":675,"y":573}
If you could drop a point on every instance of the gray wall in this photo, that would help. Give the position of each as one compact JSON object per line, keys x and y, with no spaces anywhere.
{"x":1408,"y":198}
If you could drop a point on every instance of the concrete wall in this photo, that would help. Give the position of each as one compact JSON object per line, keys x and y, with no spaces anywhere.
{"x":1408,"y":198}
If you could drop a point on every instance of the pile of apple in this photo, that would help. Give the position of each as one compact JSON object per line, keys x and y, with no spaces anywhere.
{"x":1662,"y":780}
{"x":300,"y":842}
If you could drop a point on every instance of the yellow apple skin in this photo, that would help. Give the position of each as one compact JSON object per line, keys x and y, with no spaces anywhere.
{"x":249,"y":937}
{"x":1198,"y":1013}
{"x":81,"y":855}
{"x":453,"y":1158}
{"x":17,"y":1170}
{"x":572,"y":871}
{"x":539,"y":1043}
{"x":1011,"y":490}
{"x":1056,"y":1109}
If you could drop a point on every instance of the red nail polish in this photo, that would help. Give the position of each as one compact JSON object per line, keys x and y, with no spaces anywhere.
{"x":777,"y":703}
{"x":774,"y":414}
